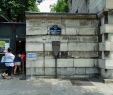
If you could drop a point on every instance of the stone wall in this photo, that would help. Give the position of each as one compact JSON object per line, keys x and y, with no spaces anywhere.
{"x":90,"y":6}
{"x":106,"y":45}
{"x":78,"y":6}
{"x":78,"y":45}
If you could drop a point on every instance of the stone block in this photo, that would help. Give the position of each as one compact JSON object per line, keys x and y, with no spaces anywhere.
{"x":107,"y":73}
{"x":92,"y":71}
{"x":49,"y":71}
{"x":30,"y":71}
{"x":39,"y":71}
{"x":82,"y":76}
{"x":106,"y":46}
{"x":107,"y":37}
{"x":48,"y":46}
{"x":82,"y":46}
{"x":51,"y":22}
{"x":36,"y":22}
{"x":106,"y":63}
{"x":107,"y":55}
{"x":83,"y":54}
{"x":106,"y":28}
{"x":96,"y":5}
{"x":110,"y":38}
{"x":49,"y":62}
{"x":65,"y":62}
{"x":34,"y":46}
{"x":35,"y":63}
{"x":109,"y":4}
{"x":63,"y":47}
{"x":81,"y":31}
{"x":73,"y":23}
{"x":65,"y":71}
{"x":87,"y":31}
{"x":110,"y":18}
{"x":35,"y":39}
{"x":80,"y":71}
{"x":85,"y":62}
{"x":36,"y":30}
{"x":62,"y":38}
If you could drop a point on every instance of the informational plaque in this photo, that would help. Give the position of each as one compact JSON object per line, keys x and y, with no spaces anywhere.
{"x":31,"y":56}
{"x":55,"y":30}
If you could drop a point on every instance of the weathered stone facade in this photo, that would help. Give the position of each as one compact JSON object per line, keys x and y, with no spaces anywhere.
{"x":86,"y":48}
{"x":89,"y":6}
{"x":78,"y":55}
{"x":104,"y":10}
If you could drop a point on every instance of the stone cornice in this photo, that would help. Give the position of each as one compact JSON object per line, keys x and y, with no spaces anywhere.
{"x":31,"y":15}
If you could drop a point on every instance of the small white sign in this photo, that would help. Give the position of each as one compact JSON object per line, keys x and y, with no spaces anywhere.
{"x":31,"y":56}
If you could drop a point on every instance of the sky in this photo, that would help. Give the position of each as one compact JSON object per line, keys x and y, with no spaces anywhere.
{"x":45,"y":5}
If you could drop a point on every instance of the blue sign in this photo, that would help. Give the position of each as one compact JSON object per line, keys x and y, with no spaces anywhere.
{"x":55,"y":30}
{"x":31,"y":56}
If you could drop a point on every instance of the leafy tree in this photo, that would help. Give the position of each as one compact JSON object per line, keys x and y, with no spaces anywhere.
{"x":15,"y":9}
{"x":61,"y":6}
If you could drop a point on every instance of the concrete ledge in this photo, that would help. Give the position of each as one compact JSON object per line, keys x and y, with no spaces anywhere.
{"x":106,"y":63}
{"x":108,"y":80}
{"x":106,"y":46}
{"x":107,"y":28}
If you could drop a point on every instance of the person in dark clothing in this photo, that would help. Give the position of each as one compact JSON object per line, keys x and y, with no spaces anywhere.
{"x":17,"y":63}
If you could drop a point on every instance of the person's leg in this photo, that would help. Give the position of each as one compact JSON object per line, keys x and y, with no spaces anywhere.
{"x":19,"y":67}
{"x":5,"y":74}
{"x":15,"y":69}
{"x":10,"y":70}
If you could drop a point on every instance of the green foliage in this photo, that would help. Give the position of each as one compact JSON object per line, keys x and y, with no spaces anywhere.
{"x":15,"y":9}
{"x":61,"y":6}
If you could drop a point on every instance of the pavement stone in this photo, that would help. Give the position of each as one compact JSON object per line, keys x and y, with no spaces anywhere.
{"x":43,"y":86}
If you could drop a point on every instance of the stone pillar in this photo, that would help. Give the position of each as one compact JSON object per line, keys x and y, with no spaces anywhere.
{"x":106,"y":46}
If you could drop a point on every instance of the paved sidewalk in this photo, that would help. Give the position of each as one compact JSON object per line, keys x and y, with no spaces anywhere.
{"x":54,"y":87}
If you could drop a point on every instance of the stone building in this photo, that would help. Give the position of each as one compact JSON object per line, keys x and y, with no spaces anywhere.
{"x":72,"y":45}
{"x":104,"y":10}
{"x":74,"y":35}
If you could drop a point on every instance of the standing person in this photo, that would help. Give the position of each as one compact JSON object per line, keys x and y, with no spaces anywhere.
{"x":9,"y":63}
{"x":17,"y":63}
{"x":23,"y":57}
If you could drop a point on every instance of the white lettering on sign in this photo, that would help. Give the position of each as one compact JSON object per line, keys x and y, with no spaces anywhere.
{"x":31,"y":56}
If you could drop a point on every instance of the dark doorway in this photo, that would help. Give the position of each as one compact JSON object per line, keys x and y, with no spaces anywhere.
{"x":20,"y":45}
{"x":20,"y":49}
